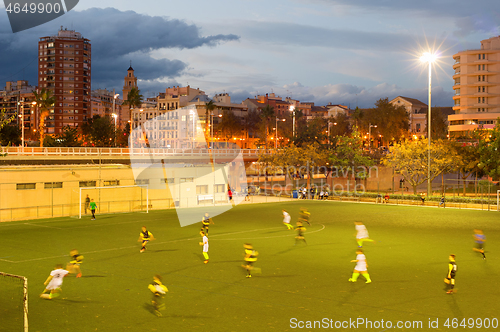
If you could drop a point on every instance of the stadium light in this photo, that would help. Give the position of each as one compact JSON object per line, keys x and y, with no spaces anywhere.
{"x":292,"y":109}
{"x":429,"y":58}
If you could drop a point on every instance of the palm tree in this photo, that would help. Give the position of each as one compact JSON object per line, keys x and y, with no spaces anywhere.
{"x":44,"y":101}
{"x":134,"y":99}
{"x":267,"y":114}
{"x":209,"y":108}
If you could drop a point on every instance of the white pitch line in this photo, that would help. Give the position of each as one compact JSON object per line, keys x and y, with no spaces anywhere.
{"x":6,"y":260}
{"x":130,"y":247}
{"x":276,"y":236}
{"x":41,"y":225}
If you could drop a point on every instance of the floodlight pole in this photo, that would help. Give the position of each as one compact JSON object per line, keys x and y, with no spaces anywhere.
{"x":370,"y":126}
{"x":429,"y":186}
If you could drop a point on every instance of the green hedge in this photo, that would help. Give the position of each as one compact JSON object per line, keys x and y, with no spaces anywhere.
{"x":450,"y":199}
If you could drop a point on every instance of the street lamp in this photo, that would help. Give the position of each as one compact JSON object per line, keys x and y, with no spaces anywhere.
{"x":370,"y":126}
{"x":22,"y":121}
{"x":429,"y":58}
{"x":115,"y":116}
{"x":114,"y":102}
{"x":276,"y":132}
{"x":292,"y":109}
{"x":335,"y":123}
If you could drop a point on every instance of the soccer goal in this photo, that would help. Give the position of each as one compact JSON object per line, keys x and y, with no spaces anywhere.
{"x":115,"y":199}
{"x":498,"y":199}
{"x":14,"y":302}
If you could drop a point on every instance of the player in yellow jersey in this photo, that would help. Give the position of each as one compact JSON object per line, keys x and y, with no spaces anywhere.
{"x":300,"y":233}
{"x":145,"y":236}
{"x":159,"y":290}
{"x":450,"y":277}
{"x":304,"y":216}
{"x":250,"y":258}
{"x":74,"y":265}
{"x":205,"y":222}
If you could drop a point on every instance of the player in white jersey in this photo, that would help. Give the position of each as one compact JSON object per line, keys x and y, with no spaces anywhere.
{"x":361,"y":234}
{"x":360,"y":268}
{"x":286,"y":220}
{"x":54,"y":282}
{"x":204,"y":243}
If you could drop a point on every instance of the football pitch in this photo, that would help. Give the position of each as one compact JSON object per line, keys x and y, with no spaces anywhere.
{"x":299,"y":285}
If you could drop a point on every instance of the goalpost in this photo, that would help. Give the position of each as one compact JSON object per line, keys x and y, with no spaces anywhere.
{"x":12,"y":289}
{"x":115,"y":199}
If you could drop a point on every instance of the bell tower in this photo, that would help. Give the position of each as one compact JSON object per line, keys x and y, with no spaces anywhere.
{"x":130,"y":82}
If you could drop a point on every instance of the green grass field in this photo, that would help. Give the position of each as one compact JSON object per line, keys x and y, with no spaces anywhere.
{"x":307,"y":282}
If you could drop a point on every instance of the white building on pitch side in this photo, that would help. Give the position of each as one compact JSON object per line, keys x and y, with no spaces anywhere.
{"x":477,"y":88}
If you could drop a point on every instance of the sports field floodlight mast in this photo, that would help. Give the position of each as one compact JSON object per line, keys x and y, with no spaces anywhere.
{"x":276,"y":132}
{"x":429,"y":57}
{"x":370,"y":126}
{"x":115,"y":116}
{"x":292,"y":109}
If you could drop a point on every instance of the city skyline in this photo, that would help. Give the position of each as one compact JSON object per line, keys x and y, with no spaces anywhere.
{"x":324,"y":51}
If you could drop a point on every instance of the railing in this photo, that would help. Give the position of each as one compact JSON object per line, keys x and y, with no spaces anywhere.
{"x":121,"y":152}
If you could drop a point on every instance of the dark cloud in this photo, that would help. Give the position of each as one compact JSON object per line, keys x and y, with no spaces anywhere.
{"x":116,"y":37}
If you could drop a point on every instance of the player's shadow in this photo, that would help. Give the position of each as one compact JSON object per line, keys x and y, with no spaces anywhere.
{"x":93,"y":276}
{"x":452,"y":303}
{"x":271,"y":232}
{"x":286,"y":250}
{"x":160,"y":250}
{"x":346,"y":298}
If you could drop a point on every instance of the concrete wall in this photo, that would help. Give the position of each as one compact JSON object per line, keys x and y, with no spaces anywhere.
{"x":20,"y":200}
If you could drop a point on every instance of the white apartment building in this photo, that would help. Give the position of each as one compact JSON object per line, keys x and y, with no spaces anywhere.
{"x":477,"y":88}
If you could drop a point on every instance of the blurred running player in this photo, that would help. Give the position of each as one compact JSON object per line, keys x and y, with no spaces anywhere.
{"x":360,"y":268}
{"x":74,"y":265}
{"x":286,"y":219}
{"x":159,"y":290}
{"x":479,"y":238}
{"x":54,"y":282}
{"x":205,"y":222}
{"x":450,"y":277}
{"x":250,"y":258}
{"x":145,"y":236}
{"x":304,"y":216}
{"x":361,"y":234}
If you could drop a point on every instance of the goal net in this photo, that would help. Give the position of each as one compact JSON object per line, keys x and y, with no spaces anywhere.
{"x":14,"y":302}
{"x":498,"y":200}
{"x":115,"y":199}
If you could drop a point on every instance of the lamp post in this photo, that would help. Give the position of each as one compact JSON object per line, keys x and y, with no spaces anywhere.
{"x":428,"y":57}
{"x":115,"y":116}
{"x":211,"y":145}
{"x":276,"y":133}
{"x":22,"y":120}
{"x":292,"y":109}
{"x":329,"y":123}
{"x":370,"y":126}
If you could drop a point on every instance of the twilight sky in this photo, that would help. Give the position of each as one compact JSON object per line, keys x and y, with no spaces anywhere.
{"x":339,"y":51}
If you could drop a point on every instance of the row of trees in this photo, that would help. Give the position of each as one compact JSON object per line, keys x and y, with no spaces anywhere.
{"x":392,"y":125}
{"x":480,"y":157}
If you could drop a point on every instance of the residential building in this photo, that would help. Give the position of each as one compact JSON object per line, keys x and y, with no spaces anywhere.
{"x":16,"y":99}
{"x":106,"y":103}
{"x":64,"y":67}
{"x":477,"y":88}
{"x":336,"y":110}
{"x":417,"y":112}
{"x":176,"y":97}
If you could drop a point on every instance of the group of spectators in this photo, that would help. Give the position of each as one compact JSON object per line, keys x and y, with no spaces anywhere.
{"x":319,"y":194}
